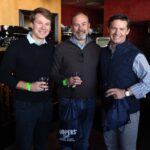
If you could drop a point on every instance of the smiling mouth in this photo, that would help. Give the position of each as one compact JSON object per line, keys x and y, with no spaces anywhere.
{"x":43,"y":32}
{"x":116,"y":37}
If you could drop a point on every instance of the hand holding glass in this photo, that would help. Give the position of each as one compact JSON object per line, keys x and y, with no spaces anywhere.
{"x":44,"y":83}
{"x":77,"y":80}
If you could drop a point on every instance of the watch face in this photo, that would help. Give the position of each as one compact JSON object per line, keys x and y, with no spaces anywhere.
{"x":127,"y":93}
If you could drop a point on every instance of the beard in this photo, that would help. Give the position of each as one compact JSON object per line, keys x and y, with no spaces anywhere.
{"x":80,"y":35}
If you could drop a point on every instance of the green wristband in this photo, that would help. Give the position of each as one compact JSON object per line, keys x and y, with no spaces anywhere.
{"x":28,"y":86}
{"x":64,"y":82}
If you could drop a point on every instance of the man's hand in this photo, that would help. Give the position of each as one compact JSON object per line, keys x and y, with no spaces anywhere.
{"x":74,"y":81}
{"x":116,"y":93}
{"x":37,"y":86}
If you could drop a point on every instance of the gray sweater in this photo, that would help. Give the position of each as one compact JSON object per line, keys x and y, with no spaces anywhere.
{"x":70,"y":60}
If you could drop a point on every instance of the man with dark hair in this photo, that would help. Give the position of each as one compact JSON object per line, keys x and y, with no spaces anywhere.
{"x":125,"y":78}
{"x":26,"y":68}
{"x":75,"y":71}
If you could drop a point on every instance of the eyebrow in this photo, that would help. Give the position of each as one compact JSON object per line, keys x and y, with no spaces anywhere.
{"x":81,"y":22}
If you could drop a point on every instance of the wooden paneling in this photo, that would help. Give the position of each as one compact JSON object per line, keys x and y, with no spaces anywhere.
{"x":9,"y":10}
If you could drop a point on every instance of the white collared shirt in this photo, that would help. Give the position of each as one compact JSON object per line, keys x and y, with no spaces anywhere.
{"x":32,"y":41}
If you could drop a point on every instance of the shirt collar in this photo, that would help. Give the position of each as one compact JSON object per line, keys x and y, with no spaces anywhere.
{"x":76,"y":42}
{"x":112,"y":48}
{"x":118,"y":46}
{"x":32,"y":41}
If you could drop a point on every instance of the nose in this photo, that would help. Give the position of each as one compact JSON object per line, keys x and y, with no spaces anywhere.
{"x":80,"y":27}
{"x":117,"y":31}
{"x":43,"y":26}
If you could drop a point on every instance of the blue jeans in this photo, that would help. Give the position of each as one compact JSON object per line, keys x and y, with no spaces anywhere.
{"x":125,"y":137}
{"x":33,"y":121}
{"x":86,"y":109}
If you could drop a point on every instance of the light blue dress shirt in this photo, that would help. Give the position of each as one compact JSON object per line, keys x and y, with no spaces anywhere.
{"x":76,"y":42}
{"x":142,"y":69}
{"x":32,"y":41}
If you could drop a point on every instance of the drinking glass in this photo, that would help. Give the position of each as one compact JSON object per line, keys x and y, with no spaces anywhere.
{"x":44,"y":79}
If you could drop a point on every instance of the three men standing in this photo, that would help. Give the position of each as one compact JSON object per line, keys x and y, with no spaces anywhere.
{"x":124,"y":72}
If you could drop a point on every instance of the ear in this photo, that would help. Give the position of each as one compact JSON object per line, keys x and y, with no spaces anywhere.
{"x":89,"y":25}
{"x":128,"y":31}
{"x":31,"y":25}
{"x":89,"y":28}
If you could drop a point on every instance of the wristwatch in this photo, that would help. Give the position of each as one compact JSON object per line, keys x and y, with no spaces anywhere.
{"x":127,"y":93}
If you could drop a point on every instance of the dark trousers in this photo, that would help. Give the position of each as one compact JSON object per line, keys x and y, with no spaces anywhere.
{"x":33,"y":121}
{"x":86,"y":109}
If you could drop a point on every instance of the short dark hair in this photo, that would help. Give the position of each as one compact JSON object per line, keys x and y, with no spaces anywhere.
{"x":40,"y":10}
{"x":119,"y":17}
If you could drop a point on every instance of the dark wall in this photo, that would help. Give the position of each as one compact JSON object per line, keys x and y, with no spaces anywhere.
{"x":139,"y":13}
{"x":96,"y":16}
{"x":137,"y":10}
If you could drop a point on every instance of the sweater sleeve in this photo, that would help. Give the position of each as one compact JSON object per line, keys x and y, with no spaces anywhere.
{"x":8,"y":66}
{"x":56,"y":66}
